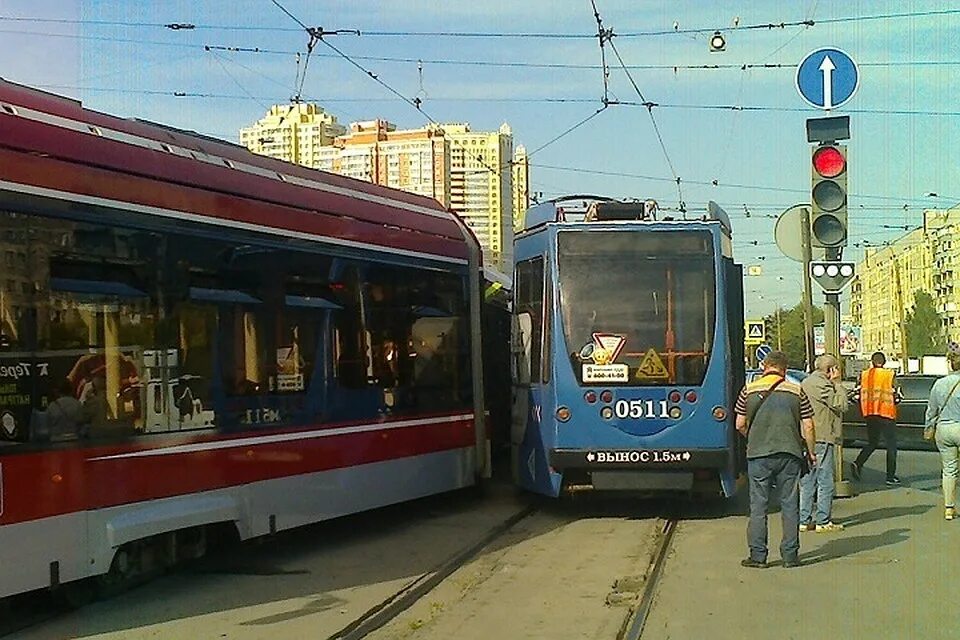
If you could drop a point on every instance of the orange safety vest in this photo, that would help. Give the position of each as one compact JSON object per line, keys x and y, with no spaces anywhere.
{"x":876,"y":393}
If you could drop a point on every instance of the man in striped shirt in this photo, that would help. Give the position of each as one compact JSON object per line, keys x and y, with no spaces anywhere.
{"x":776,"y":418}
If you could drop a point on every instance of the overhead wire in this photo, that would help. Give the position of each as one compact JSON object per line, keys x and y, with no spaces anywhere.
{"x":490,"y":34}
{"x":609,"y":34}
{"x":483,"y":63}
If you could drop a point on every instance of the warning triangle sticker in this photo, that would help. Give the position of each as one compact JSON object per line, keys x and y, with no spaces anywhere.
{"x":652,"y":366}
{"x":755,"y":331}
{"x":610,"y":343}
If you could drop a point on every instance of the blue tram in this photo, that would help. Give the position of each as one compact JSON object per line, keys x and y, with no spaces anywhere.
{"x":627,"y":348}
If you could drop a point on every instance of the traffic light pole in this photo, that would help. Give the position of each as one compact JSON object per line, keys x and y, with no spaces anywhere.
{"x":828,"y":229}
{"x":843,"y":488}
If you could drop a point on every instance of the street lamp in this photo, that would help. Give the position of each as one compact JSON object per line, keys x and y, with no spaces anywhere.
{"x":717,"y":42}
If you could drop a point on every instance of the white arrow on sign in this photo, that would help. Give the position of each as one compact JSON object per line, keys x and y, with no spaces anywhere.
{"x":827,"y":68}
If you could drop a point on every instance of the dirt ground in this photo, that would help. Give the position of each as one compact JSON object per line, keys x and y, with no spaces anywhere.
{"x":553,"y":576}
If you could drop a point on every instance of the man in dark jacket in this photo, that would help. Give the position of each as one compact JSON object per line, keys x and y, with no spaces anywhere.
{"x":776,"y":418}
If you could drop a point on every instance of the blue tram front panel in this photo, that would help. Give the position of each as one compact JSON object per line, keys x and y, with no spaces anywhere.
{"x":632,"y":384}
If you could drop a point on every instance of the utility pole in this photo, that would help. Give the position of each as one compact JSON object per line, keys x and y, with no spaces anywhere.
{"x":905,"y":363}
{"x":807,"y":287}
{"x":779,"y":331}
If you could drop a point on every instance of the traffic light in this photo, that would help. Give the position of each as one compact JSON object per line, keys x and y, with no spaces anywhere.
{"x":828,"y":223}
{"x":832,"y":276}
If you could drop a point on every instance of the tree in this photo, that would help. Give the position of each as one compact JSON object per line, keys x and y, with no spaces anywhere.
{"x":923,"y":328}
{"x":786,"y":333}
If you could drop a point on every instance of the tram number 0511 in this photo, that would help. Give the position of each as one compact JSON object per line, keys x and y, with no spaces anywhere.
{"x":641,"y":409}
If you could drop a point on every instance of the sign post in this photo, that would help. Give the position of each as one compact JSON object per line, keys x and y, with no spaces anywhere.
{"x":826,"y":79}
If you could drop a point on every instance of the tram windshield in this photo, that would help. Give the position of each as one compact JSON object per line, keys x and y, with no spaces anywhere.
{"x":638,"y":308}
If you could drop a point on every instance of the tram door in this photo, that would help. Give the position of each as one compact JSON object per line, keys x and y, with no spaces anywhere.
{"x":528,"y":379}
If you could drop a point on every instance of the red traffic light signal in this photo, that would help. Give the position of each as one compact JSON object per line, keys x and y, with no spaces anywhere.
{"x":829,"y":162}
{"x":828,"y":222}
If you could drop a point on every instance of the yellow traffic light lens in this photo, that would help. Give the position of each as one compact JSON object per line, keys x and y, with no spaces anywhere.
{"x":828,"y":196}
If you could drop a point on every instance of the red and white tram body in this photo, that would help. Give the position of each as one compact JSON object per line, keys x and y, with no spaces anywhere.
{"x":192,"y":335}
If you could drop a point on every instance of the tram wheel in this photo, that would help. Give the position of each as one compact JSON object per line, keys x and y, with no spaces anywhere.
{"x":76,"y":594}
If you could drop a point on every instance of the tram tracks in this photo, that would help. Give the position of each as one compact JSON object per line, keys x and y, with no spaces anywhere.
{"x":515,"y":555}
{"x":635,"y":621}
{"x":397,"y":603}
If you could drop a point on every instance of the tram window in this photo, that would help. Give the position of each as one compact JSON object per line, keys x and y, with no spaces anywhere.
{"x":350,"y":341}
{"x":671,"y":306}
{"x":76,"y":312}
{"x":192,"y":368}
{"x":529,"y":307}
{"x":415,"y":324}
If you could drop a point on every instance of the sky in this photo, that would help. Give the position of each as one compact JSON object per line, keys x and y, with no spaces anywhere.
{"x":741,"y":125}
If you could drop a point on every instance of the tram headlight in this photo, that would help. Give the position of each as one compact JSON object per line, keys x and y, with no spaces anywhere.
{"x":675,"y":412}
{"x":606,"y":413}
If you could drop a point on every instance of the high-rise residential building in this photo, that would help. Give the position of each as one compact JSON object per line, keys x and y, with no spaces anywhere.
{"x":292,"y":132}
{"x":521,"y":186}
{"x":887,"y":279}
{"x":478,"y":174}
{"x":943,"y":229}
{"x":481,"y":187}
{"x":414,"y":160}
{"x":883,"y":291}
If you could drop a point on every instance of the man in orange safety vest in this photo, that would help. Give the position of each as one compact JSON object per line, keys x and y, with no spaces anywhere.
{"x":878,"y":401}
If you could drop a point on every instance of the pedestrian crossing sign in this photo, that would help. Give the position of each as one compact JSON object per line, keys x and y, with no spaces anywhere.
{"x":756,"y":332}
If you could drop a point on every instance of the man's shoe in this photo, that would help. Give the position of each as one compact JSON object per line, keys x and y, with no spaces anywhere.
{"x":808,"y":527}
{"x":750,"y":563}
{"x":829,"y":527}
{"x":855,"y":471}
{"x":893,"y":482}
{"x":791,"y":564}
{"x":949,"y":513}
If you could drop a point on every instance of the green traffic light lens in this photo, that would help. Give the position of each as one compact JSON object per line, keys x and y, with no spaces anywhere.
{"x":828,"y":230}
{"x":828,"y":196}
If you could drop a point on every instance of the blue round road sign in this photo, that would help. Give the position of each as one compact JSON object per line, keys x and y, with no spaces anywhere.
{"x":827,"y":78}
{"x":763,"y":351}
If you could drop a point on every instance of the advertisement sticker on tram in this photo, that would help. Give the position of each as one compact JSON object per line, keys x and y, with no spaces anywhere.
{"x":604,"y":351}
{"x":27,"y":383}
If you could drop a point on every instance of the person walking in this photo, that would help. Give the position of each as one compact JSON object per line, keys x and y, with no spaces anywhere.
{"x":776,"y":418}
{"x":829,"y":401}
{"x":943,"y":425}
{"x":878,"y":406}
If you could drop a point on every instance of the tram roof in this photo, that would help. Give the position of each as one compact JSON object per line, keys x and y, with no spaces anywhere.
{"x":61,"y":132}
{"x":600,"y":209}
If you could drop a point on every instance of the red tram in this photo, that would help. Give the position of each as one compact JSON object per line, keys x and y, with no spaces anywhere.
{"x":193,"y":337}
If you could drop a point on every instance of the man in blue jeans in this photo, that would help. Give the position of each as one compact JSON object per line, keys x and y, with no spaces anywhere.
{"x":776,"y":418}
{"x":829,"y":401}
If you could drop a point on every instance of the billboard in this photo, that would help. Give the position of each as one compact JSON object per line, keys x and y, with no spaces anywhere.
{"x":851,"y":340}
